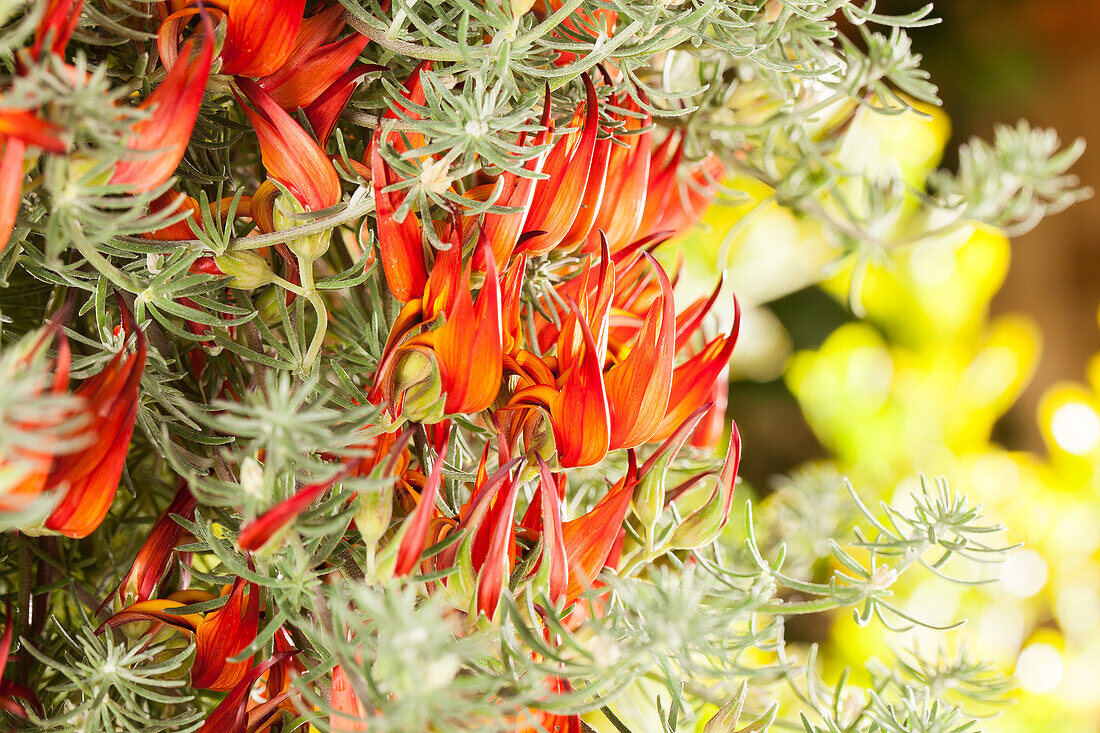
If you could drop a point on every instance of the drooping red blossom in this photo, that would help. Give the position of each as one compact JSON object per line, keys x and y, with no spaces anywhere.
{"x":288,"y":153}
{"x":20,"y":128}
{"x":260,"y":35}
{"x":232,"y":715}
{"x":415,"y":532}
{"x":694,"y":378}
{"x":157,"y":143}
{"x":467,"y":349}
{"x":89,"y":477}
{"x":557,"y":199}
{"x":59,"y":20}
{"x":156,"y":553}
{"x":400,"y":243}
{"x":316,"y":61}
{"x":34,"y":463}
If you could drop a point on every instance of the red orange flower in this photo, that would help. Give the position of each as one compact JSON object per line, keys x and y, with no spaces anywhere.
{"x":260,"y":35}
{"x":152,"y":561}
{"x":59,"y":19}
{"x":232,"y":715}
{"x":18,"y":129}
{"x":569,"y":167}
{"x":289,"y":154}
{"x":316,"y":61}
{"x":219,"y":634}
{"x":693,"y":379}
{"x":400,"y":243}
{"x":593,"y":409}
{"x":31,"y":466}
{"x":159,"y":141}
{"x":89,"y":477}
{"x":348,"y":714}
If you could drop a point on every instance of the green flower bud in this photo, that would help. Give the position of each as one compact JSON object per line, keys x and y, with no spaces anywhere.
{"x":375,"y":509}
{"x":308,"y":248}
{"x":268,"y":306}
{"x":249,"y":270}
{"x":417,"y":377}
{"x":538,"y":436}
{"x":701,"y":528}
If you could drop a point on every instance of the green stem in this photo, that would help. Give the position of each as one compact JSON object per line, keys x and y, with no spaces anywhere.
{"x":309,"y":291}
{"x":356,"y":207}
{"x":404,"y":48}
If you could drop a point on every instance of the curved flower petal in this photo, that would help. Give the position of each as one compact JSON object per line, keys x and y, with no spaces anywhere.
{"x":289,"y":154}
{"x":159,"y":141}
{"x":639,"y":386}
{"x":260,"y":36}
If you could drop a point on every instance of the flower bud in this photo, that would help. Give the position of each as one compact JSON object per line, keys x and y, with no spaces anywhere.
{"x":417,"y":378}
{"x":268,"y":305}
{"x":249,"y":270}
{"x":519,"y":7}
{"x":702,"y":527}
{"x":375,"y":509}
{"x":462,"y":585}
{"x":706,"y":523}
{"x":307,"y":248}
{"x":538,"y":436}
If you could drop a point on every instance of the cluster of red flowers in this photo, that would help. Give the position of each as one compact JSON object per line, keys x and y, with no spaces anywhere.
{"x":606,"y":363}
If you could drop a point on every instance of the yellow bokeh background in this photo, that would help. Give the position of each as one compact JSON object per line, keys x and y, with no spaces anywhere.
{"x":917,"y":386}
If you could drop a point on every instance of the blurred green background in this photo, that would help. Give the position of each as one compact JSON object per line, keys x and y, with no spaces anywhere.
{"x":978,"y":360}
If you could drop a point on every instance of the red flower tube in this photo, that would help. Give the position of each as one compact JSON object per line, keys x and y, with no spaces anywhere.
{"x":160,"y":140}
{"x":90,"y":476}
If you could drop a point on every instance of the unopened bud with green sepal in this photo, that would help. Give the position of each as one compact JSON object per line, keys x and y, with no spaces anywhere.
{"x":705,"y":524}
{"x":249,"y":270}
{"x":285,"y":216}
